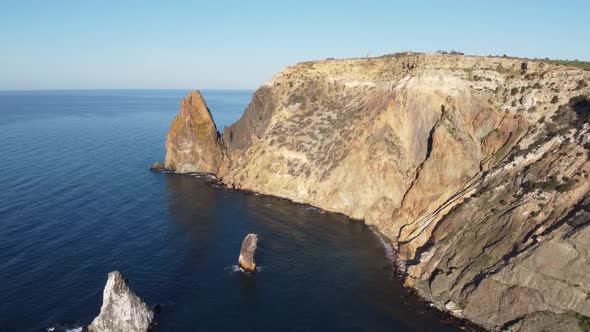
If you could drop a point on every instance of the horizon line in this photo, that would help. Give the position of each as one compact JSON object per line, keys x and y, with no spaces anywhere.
{"x":120,"y":89}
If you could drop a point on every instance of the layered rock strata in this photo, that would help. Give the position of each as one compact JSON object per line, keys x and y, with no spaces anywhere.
{"x":476,"y":169}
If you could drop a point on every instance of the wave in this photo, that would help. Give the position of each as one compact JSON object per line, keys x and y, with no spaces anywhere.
{"x":236,"y":268}
{"x":387,"y":245}
{"x":65,"y":328}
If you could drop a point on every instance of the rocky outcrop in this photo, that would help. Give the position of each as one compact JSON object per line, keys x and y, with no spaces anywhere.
{"x":122,"y":310}
{"x":476,"y":169}
{"x":158,"y":167}
{"x":193,"y":144}
{"x":247,"y":251}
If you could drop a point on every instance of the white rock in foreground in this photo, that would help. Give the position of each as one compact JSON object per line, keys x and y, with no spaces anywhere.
{"x":122,"y":310}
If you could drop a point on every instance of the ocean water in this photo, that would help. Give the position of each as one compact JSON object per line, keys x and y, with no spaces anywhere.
{"x":77,"y":200}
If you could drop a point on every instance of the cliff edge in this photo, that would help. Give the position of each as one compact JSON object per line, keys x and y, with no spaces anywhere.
{"x":476,"y":169}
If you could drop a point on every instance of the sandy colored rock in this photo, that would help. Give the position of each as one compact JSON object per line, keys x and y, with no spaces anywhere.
{"x":476,"y":170}
{"x":157,"y":166}
{"x":247,"y":252}
{"x":193,"y":143}
{"x":122,"y":310}
{"x":547,"y":321}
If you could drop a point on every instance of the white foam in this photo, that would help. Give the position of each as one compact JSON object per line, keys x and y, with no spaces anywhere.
{"x":389,"y":253}
{"x":237,"y":268}
{"x":234,"y":268}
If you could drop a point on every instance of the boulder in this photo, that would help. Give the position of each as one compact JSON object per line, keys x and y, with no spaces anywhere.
{"x":122,"y":310}
{"x":247,"y":252}
{"x":157,"y":166}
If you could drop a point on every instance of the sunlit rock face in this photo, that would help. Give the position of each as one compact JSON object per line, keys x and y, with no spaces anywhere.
{"x":247,"y":252}
{"x":476,"y":169}
{"x":122,"y":310}
{"x":193,"y":144}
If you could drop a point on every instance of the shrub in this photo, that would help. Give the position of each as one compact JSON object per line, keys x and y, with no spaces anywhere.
{"x":581,"y":84}
{"x":567,"y":185}
{"x":583,"y":322}
{"x":554,"y":100}
{"x":551,"y":183}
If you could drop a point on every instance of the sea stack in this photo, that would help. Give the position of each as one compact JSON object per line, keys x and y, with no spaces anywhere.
{"x":193,"y":144}
{"x":247,"y":252}
{"x":122,"y":310}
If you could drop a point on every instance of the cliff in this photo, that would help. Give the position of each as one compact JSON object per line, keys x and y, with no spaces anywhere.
{"x":476,"y":169}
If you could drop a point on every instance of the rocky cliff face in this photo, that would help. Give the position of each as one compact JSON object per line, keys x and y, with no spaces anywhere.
{"x":193,"y":143}
{"x":476,"y":169}
{"x":122,"y":310}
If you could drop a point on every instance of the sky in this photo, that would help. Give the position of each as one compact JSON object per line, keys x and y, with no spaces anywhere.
{"x":92,"y":44}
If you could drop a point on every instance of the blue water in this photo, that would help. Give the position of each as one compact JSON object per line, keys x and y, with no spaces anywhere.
{"x":77,"y":200}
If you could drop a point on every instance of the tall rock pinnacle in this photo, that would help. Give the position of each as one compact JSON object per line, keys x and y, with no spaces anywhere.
{"x":122,"y":310}
{"x":193,"y":144}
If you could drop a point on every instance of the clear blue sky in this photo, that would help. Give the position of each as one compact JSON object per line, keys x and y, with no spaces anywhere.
{"x":81,"y":44}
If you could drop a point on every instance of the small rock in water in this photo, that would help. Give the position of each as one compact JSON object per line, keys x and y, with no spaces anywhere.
{"x":247,"y":252}
{"x":121,"y":309}
{"x":157,"y":166}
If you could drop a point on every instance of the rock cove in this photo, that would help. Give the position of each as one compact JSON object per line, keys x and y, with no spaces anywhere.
{"x":475,"y":168}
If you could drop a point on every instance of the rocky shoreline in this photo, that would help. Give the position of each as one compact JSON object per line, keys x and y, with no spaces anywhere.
{"x":475,"y":168}
{"x":425,"y":303}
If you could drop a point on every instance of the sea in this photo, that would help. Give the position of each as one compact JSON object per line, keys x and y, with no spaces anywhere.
{"x":77,"y":200}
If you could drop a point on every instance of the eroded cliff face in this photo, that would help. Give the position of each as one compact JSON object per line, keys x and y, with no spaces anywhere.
{"x":476,"y":169}
{"x":193,"y":143}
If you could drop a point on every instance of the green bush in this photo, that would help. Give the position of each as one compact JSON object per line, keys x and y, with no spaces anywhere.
{"x":584,"y":322}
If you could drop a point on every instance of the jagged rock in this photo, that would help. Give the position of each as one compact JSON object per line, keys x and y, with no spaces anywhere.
{"x":246,"y":259}
{"x":157,"y":166}
{"x":122,"y":310}
{"x":477,"y":173}
{"x":193,"y":144}
{"x":453,"y":308}
{"x":254,"y":122}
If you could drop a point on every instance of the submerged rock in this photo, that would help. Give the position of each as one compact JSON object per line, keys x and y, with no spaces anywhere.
{"x":157,"y":166}
{"x":247,"y":252}
{"x":122,"y":310}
